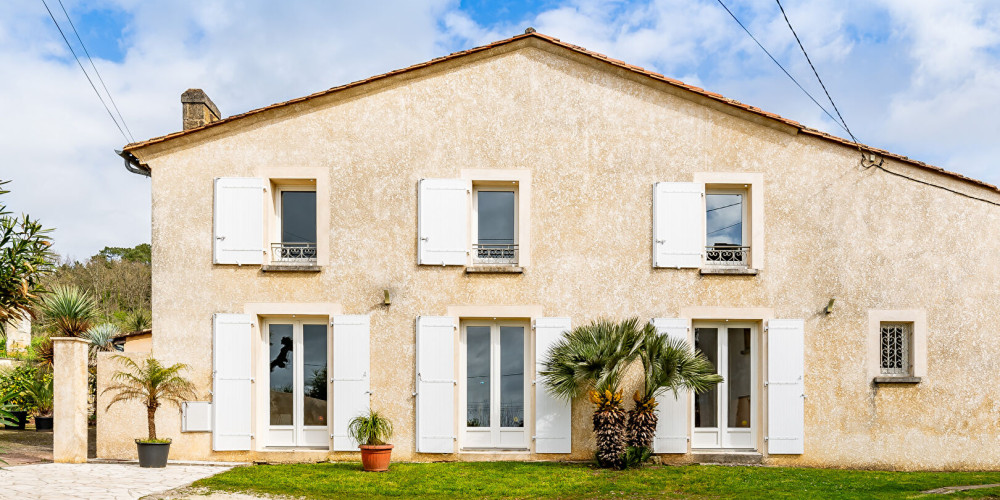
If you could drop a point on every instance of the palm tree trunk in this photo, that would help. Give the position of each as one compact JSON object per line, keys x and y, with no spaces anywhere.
{"x":641,"y":428}
{"x":609,"y":429}
{"x":151,"y":420}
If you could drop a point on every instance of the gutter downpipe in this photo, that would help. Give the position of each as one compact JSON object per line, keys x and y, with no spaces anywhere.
{"x":132,"y":163}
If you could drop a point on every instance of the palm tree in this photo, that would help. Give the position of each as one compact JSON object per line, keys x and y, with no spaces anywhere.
{"x":149,"y":383}
{"x":667,"y":365}
{"x":102,"y":337}
{"x":68,"y":311}
{"x":592,"y":359}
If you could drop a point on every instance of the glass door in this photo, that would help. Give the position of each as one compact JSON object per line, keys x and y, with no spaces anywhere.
{"x":724,"y":416}
{"x":298,"y":383}
{"x":494,"y":357}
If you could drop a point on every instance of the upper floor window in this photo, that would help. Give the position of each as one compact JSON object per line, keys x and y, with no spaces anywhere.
{"x":726,"y":228}
{"x":295,"y":221}
{"x":495,"y":224}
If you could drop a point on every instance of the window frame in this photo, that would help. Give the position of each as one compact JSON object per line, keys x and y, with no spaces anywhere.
{"x":917,"y":319}
{"x":521,"y":178}
{"x":746,"y":223}
{"x":907,"y":348}
{"x":493,"y":186}
{"x":752,"y":185}
{"x":310,"y":180}
{"x":297,"y":429}
{"x":280,"y":190}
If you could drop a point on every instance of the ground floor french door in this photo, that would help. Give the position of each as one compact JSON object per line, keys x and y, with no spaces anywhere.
{"x":494,"y":384}
{"x":725,"y":416}
{"x":297,"y":380}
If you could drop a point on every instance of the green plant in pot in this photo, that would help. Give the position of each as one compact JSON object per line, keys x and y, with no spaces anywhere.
{"x":152,"y":384}
{"x":371,"y":431}
{"x":40,"y":391}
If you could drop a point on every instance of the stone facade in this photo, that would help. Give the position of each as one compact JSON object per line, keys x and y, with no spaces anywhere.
{"x":594,"y":139}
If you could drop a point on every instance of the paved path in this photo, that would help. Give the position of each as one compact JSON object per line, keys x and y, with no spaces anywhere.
{"x":96,"y":481}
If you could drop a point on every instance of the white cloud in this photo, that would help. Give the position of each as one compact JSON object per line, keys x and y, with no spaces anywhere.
{"x":918,"y":78}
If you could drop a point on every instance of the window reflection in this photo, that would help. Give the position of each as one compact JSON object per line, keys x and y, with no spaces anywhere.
{"x":314,"y":374}
{"x":511,"y":376}
{"x":282,"y":374}
{"x":478,"y":376}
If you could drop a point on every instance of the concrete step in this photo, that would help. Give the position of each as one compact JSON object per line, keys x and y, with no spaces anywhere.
{"x":727,"y":457}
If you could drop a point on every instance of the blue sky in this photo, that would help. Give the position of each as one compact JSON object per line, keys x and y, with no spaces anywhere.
{"x":917,"y":78}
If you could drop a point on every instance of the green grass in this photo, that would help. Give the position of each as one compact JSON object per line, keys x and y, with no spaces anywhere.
{"x":555,"y":480}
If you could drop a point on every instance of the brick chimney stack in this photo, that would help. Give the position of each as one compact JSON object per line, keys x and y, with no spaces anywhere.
{"x":198,"y":109}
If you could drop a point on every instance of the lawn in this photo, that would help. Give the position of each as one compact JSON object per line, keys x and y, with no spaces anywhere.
{"x":557,"y":480}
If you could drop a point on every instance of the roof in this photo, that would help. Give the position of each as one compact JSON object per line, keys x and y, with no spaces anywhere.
{"x":121,"y":336}
{"x":530,"y":33}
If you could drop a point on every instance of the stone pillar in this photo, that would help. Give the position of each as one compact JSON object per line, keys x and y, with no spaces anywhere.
{"x":69,"y":427}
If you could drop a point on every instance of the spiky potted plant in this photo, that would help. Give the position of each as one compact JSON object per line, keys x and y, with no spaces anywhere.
{"x":150,"y":383}
{"x":371,"y":431}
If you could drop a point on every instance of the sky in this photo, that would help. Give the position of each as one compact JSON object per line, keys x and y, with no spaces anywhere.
{"x":917,"y":77}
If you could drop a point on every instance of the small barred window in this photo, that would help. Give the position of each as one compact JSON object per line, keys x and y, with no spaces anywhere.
{"x":895,"y":341}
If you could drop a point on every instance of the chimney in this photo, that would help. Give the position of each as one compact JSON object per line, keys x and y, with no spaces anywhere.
{"x":198,"y":109}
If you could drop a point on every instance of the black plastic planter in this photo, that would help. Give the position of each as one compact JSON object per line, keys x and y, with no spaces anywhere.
{"x":20,"y":420}
{"x":43,"y":423}
{"x":153,"y":455}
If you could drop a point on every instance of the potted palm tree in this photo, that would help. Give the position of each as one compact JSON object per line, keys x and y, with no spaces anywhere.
{"x":371,"y":432}
{"x":40,"y":391}
{"x":151,"y":384}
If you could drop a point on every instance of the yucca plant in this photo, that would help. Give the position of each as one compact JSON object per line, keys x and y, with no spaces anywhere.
{"x":592,"y":359}
{"x":151,"y":384}
{"x":68,"y":311}
{"x":102,"y":337}
{"x":667,"y":365}
{"x":136,"y":320}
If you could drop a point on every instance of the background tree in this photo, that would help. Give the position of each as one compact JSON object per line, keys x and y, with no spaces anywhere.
{"x":25,"y":258}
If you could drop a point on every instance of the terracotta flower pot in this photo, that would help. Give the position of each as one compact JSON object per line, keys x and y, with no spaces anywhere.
{"x":375,"y":458}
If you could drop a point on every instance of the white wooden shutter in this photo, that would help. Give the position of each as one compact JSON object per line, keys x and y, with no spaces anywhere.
{"x":672,"y":417}
{"x":443,"y":226}
{"x":678,"y":224}
{"x":785,"y":386}
{"x":239,"y":220}
{"x":232,"y":382}
{"x":351,"y":381}
{"x":436,"y":382}
{"x":553,"y":425}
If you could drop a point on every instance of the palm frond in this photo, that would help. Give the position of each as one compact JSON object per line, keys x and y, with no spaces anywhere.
{"x":150,"y":383}
{"x":592,"y":357}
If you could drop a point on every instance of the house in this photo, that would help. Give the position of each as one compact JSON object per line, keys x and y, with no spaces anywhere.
{"x":137,"y":341}
{"x":415,"y":241}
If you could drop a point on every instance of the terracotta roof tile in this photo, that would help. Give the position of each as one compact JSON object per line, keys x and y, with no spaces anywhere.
{"x":581,"y":50}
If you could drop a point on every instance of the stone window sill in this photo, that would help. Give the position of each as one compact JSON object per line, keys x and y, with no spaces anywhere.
{"x":887,"y":379}
{"x":730,"y":271}
{"x":494,"y":270}
{"x":290,"y":268}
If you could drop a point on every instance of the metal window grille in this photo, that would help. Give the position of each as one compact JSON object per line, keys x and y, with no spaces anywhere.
{"x":895,"y":341}
{"x":293,"y":252}
{"x":721,"y":255}
{"x":494,"y":254}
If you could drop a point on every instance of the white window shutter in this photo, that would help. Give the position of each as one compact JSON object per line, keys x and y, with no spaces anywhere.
{"x":553,"y":425}
{"x":678,"y":224}
{"x":232,"y":379}
{"x":672,"y":417}
{"x":351,"y":381}
{"x":436,"y":382}
{"x":785,"y":386}
{"x":239,"y":220}
{"x":443,"y":222}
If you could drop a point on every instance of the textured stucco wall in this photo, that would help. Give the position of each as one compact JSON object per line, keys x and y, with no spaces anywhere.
{"x":595,"y":141}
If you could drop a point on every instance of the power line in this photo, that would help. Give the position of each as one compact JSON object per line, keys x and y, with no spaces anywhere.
{"x":796,"y":35}
{"x":789,"y":75}
{"x":85,"y":51}
{"x":84,"y":70}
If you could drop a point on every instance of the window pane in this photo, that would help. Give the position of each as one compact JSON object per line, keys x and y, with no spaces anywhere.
{"x":724,"y":219}
{"x":512,"y":376}
{"x":706,"y":340}
{"x":496,"y":217}
{"x":282,"y":374}
{"x":298,"y":217}
{"x":738,"y":377}
{"x":314,"y":374}
{"x":478,"y":376}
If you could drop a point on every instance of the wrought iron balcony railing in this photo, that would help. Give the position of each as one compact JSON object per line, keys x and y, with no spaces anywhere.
{"x":502,"y":254}
{"x":293,"y":252}
{"x":727,"y":256}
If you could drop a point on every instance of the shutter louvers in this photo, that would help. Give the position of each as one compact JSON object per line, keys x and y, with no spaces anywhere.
{"x":672,"y":417}
{"x":351,"y":382}
{"x":232,"y":377}
{"x":785,"y":386}
{"x":436,"y":381}
{"x":239,"y":221}
{"x":678,"y":224}
{"x":553,"y":415}
{"x":443,"y":222}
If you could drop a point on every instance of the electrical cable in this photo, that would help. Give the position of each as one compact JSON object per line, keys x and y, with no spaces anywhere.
{"x":87,"y":52}
{"x":84,"y":70}
{"x":789,"y":75}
